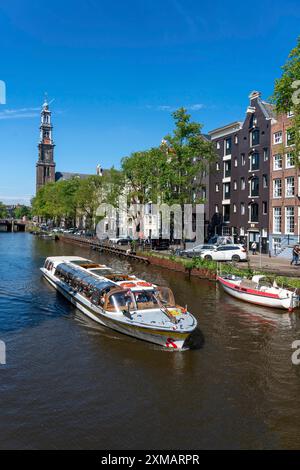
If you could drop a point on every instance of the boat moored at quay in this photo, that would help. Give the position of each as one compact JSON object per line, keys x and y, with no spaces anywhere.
{"x":259,"y":291}
{"x":120,"y":301}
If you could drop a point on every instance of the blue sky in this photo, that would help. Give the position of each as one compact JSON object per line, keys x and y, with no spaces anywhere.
{"x":116,"y":70}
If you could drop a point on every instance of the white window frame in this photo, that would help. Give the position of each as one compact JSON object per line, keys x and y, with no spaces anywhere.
{"x":276,"y":160}
{"x":277,"y":214}
{"x":289,"y":156}
{"x":277,"y":188}
{"x":277,"y":137}
{"x":290,"y":186}
{"x":290,"y":220}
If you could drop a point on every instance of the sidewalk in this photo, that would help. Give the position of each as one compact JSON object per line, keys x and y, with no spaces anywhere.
{"x":274,"y":265}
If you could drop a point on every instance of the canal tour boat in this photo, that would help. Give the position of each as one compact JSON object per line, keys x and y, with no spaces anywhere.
{"x":259,"y":291}
{"x":120,"y":301}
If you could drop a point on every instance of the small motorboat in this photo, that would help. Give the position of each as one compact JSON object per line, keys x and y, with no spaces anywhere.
{"x":121,"y":301}
{"x":259,"y":291}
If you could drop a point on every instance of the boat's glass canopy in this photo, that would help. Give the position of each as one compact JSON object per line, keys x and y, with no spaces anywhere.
{"x":76,"y":274}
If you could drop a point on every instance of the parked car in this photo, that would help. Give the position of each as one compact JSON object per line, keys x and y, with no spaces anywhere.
{"x":160,"y":244}
{"x":121,"y":240}
{"x":225,"y":253}
{"x":195,"y":250}
{"x":221,"y":240}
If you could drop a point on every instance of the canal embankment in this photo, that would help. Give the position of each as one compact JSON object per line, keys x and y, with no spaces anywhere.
{"x":274,"y":268}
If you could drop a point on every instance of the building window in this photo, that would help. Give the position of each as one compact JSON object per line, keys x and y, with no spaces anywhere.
{"x":255,"y":137}
{"x":277,"y":164}
{"x":290,"y":186}
{"x":236,"y":139}
{"x":254,"y":212}
{"x":235,"y":185}
{"x":289,"y":220}
{"x":243,"y":184}
{"x":243,"y":159}
{"x":218,"y":145}
{"x":277,"y":220}
{"x":226,"y":191}
{"x":227,"y":169}
{"x":216,"y":209}
{"x":254,"y":159}
{"x":290,"y":137}
{"x":242,"y":208}
{"x":254,"y":186}
{"x":235,"y":162}
{"x":234,"y":207}
{"x":265,"y":181}
{"x":290,"y":160}
{"x":265,"y":207}
{"x":277,"y":137}
{"x":277,"y":188}
{"x":226,"y":213}
{"x":266,"y":154}
{"x":217,"y":166}
{"x":217,"y":187}
{"x":228,"y":146}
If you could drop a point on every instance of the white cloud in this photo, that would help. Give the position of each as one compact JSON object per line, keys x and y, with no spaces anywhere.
{"x":16,"y":199}
{"x":20,"y":113}
{"x":169,"y":108}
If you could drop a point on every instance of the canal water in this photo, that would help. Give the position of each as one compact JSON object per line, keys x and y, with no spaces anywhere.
{"x":69,"y":383}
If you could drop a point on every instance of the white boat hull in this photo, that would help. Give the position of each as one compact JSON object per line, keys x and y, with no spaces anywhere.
{"x":168,"y":339}
{"x":280,"y":303}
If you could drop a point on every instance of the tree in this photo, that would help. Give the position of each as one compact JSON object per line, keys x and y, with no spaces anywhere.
{"x":21,"y":211}
{"x":3,"y":211}
{"x":286,"y":94}
{"x":189,"y":156}
{"x":88,"y":197}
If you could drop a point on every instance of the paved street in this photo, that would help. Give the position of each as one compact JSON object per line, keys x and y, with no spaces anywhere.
{"x":274,"y":264}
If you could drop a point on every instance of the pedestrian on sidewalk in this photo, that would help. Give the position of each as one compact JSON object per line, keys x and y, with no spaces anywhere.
{"x":295,"y":254}
{"x":254,"y":248}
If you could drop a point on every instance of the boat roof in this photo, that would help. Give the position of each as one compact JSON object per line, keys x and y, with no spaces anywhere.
{"x":101,"y":272}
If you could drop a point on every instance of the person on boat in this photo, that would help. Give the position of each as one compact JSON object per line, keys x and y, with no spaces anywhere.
{"x":254,"y":248}
{"x":295,"y":254}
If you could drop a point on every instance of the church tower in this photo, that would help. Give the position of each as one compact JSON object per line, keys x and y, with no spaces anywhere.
{"x":45,"y":167}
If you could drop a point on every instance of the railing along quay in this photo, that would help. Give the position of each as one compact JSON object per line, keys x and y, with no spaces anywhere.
{"x":98,"y":246}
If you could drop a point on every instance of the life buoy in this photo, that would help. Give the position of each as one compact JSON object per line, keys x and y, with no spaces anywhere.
{"x":127,"y":284}
{"x":144,"y":284}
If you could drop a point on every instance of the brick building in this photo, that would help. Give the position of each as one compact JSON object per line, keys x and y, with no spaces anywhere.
{"x":239,"y":185}
{"x":284,"y":189}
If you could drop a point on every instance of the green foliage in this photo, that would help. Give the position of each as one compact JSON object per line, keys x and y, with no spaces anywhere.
{"x":286,"y":95}
{"x":74,"y":198}
{"x":3,"y":211}
{"x":165,"y":174}
{"x":22,"y":211}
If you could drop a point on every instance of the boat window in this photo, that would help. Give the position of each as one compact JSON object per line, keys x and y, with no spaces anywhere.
{"x":145,"y":299}
{"x":119,"y":301}
{"x":165,"y":296}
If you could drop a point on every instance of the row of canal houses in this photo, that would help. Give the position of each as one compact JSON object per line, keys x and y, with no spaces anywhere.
{"x":254,"y":189}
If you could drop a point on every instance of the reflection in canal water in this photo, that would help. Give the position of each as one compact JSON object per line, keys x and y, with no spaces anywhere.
{"x":70,"y":383}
